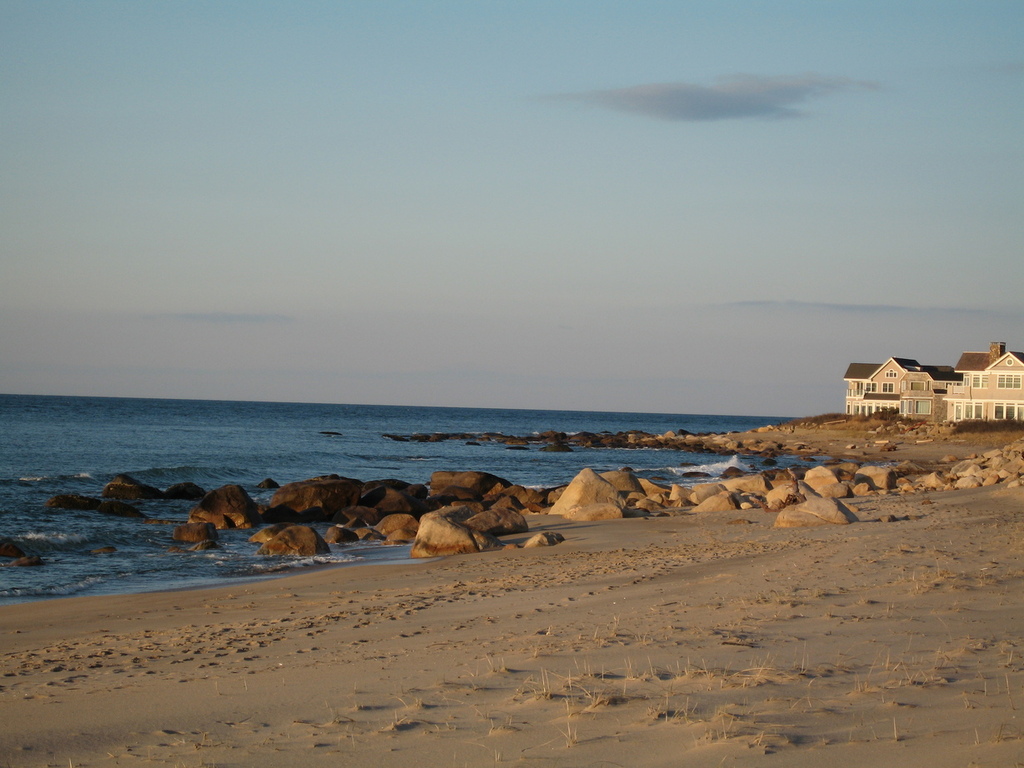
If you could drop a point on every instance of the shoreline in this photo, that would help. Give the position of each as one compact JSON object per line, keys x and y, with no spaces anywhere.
{"x":734,"y":644}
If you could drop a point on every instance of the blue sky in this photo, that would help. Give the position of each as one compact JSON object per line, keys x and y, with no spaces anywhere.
{"x":645,"y":206}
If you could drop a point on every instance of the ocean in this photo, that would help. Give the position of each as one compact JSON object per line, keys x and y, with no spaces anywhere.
{"x":57,"y":445}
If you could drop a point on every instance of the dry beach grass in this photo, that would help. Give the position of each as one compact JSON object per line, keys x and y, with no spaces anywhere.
{"x":689,"y":640}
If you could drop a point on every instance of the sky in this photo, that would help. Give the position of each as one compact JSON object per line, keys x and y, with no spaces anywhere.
{"x":673,"y":207}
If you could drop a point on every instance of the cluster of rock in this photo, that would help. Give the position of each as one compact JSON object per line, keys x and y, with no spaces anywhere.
{"x":462,"y":512}
{"x":723,"y":444}
{"x":1000,"y":465}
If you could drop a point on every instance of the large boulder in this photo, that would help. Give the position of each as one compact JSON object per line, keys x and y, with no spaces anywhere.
{"x":748,"y":484}
{"x":815,"y":511}
{"x":396,"y":522}
{"x":585,"y":489}
{"x":720,"y":502}
{"x":479,"y":483}
{"x":820,"y":477}
{"x":186,"y":491}
{"x":498,"y":521}
{"x":599,"y":511}
{"x":389,"y":501}
{"x":624,"y":481}
{"x":126,"y":487}
{"x":193,"y":532}
{"x":332,"y":494}
{"x":118,"y":508}
{"x":10,"y":549}
{"x":73,"y":501}
{"x":227,"y":507}
{"x":879,"y":478}
{"x":705,"y":491}
{"x":440,"y":534}
{"x":295,"y":540}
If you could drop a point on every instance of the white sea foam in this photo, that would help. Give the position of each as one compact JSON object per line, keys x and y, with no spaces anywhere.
{"x":713,"y":469}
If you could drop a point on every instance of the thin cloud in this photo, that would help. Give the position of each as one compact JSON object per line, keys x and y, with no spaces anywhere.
{"x":878,"y":309}
{"x":222,"y":317}
{"x":733,"y":98}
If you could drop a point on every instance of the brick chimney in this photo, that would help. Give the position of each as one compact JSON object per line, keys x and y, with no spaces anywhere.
{"x":996,"y":350}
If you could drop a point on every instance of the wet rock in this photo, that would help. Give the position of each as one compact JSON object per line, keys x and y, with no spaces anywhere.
{"x":10,"y":549}
{"x":193,"y":532}
{"x":73,"y":501}
{"x":126,"y":487}
{"x":337,"y":534}
{"x":267,"y":484}
{"x":119,"y":508}
{"x":295,"y":540}
{"x":186,"y":491}
{"x":27,"y":561}
{"x":331,"y":494}
{"x":227,"y":507}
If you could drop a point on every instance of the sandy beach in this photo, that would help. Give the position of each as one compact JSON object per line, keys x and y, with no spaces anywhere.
{"x":702,"y":640}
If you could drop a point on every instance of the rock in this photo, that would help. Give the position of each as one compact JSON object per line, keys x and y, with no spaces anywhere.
{"x":27,"y":561}
{"x":705,"y":491}
{"x":498,"y":521}
{"x":835,"y":491}
{"x":10,"y":549}
{"x":268,"y":484}
{"x":556,"y":448}
{"x":525,"y":496}
{"x":720,"y":502}
{"x":119,"y":508}
{"x":103,"y":551}
{"x":227,"y":507}
{"x":337,"y":534}
{"x":369,"y":534}
{"x":389,"y":501}
{"x":586,"y":489}
{"x":333,"y":494}
{"x":879,"y":478}
{"x":73,"y":501}
{"x":193,"y":532}
{"x":285,"y":514}
{"x":815,"y":511}
{"x":401,"y":536}
{"x":544,"y":539}
{"x":748,"y":484}
{"x":128,"y":488}
{"x":624,"y":481}
{"x":295,"y":540}
{"x":202,"y":546}
{"x":266,"y":534}
{"x":969,"y":481}
{"x":186,"y":491}
{"x":357,"y":517}
{"x":479,"y":483}
{"x":819,"y":477}
{"x":598,"y":511}
{"x":397,"y":521}
{"x":440,"y":534}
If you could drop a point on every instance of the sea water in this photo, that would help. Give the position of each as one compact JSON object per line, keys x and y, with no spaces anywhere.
{"x":57,"y":445}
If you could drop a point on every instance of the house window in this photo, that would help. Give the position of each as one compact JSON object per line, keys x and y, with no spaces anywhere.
{"x":918,"y":386}
{"x":1004,"y":381}
{"x":888,"y":386}
{"x":958,"y":412}
{"x":891,"y":374}
{"x":997,"y":411}
{"x":871,"y":387}
{"x":923,"y":407}
{"x":1008,"y":411}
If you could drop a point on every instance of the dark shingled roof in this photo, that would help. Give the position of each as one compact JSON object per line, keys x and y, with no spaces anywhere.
{"x":861,"y":370}
{"x":973,"y":361}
